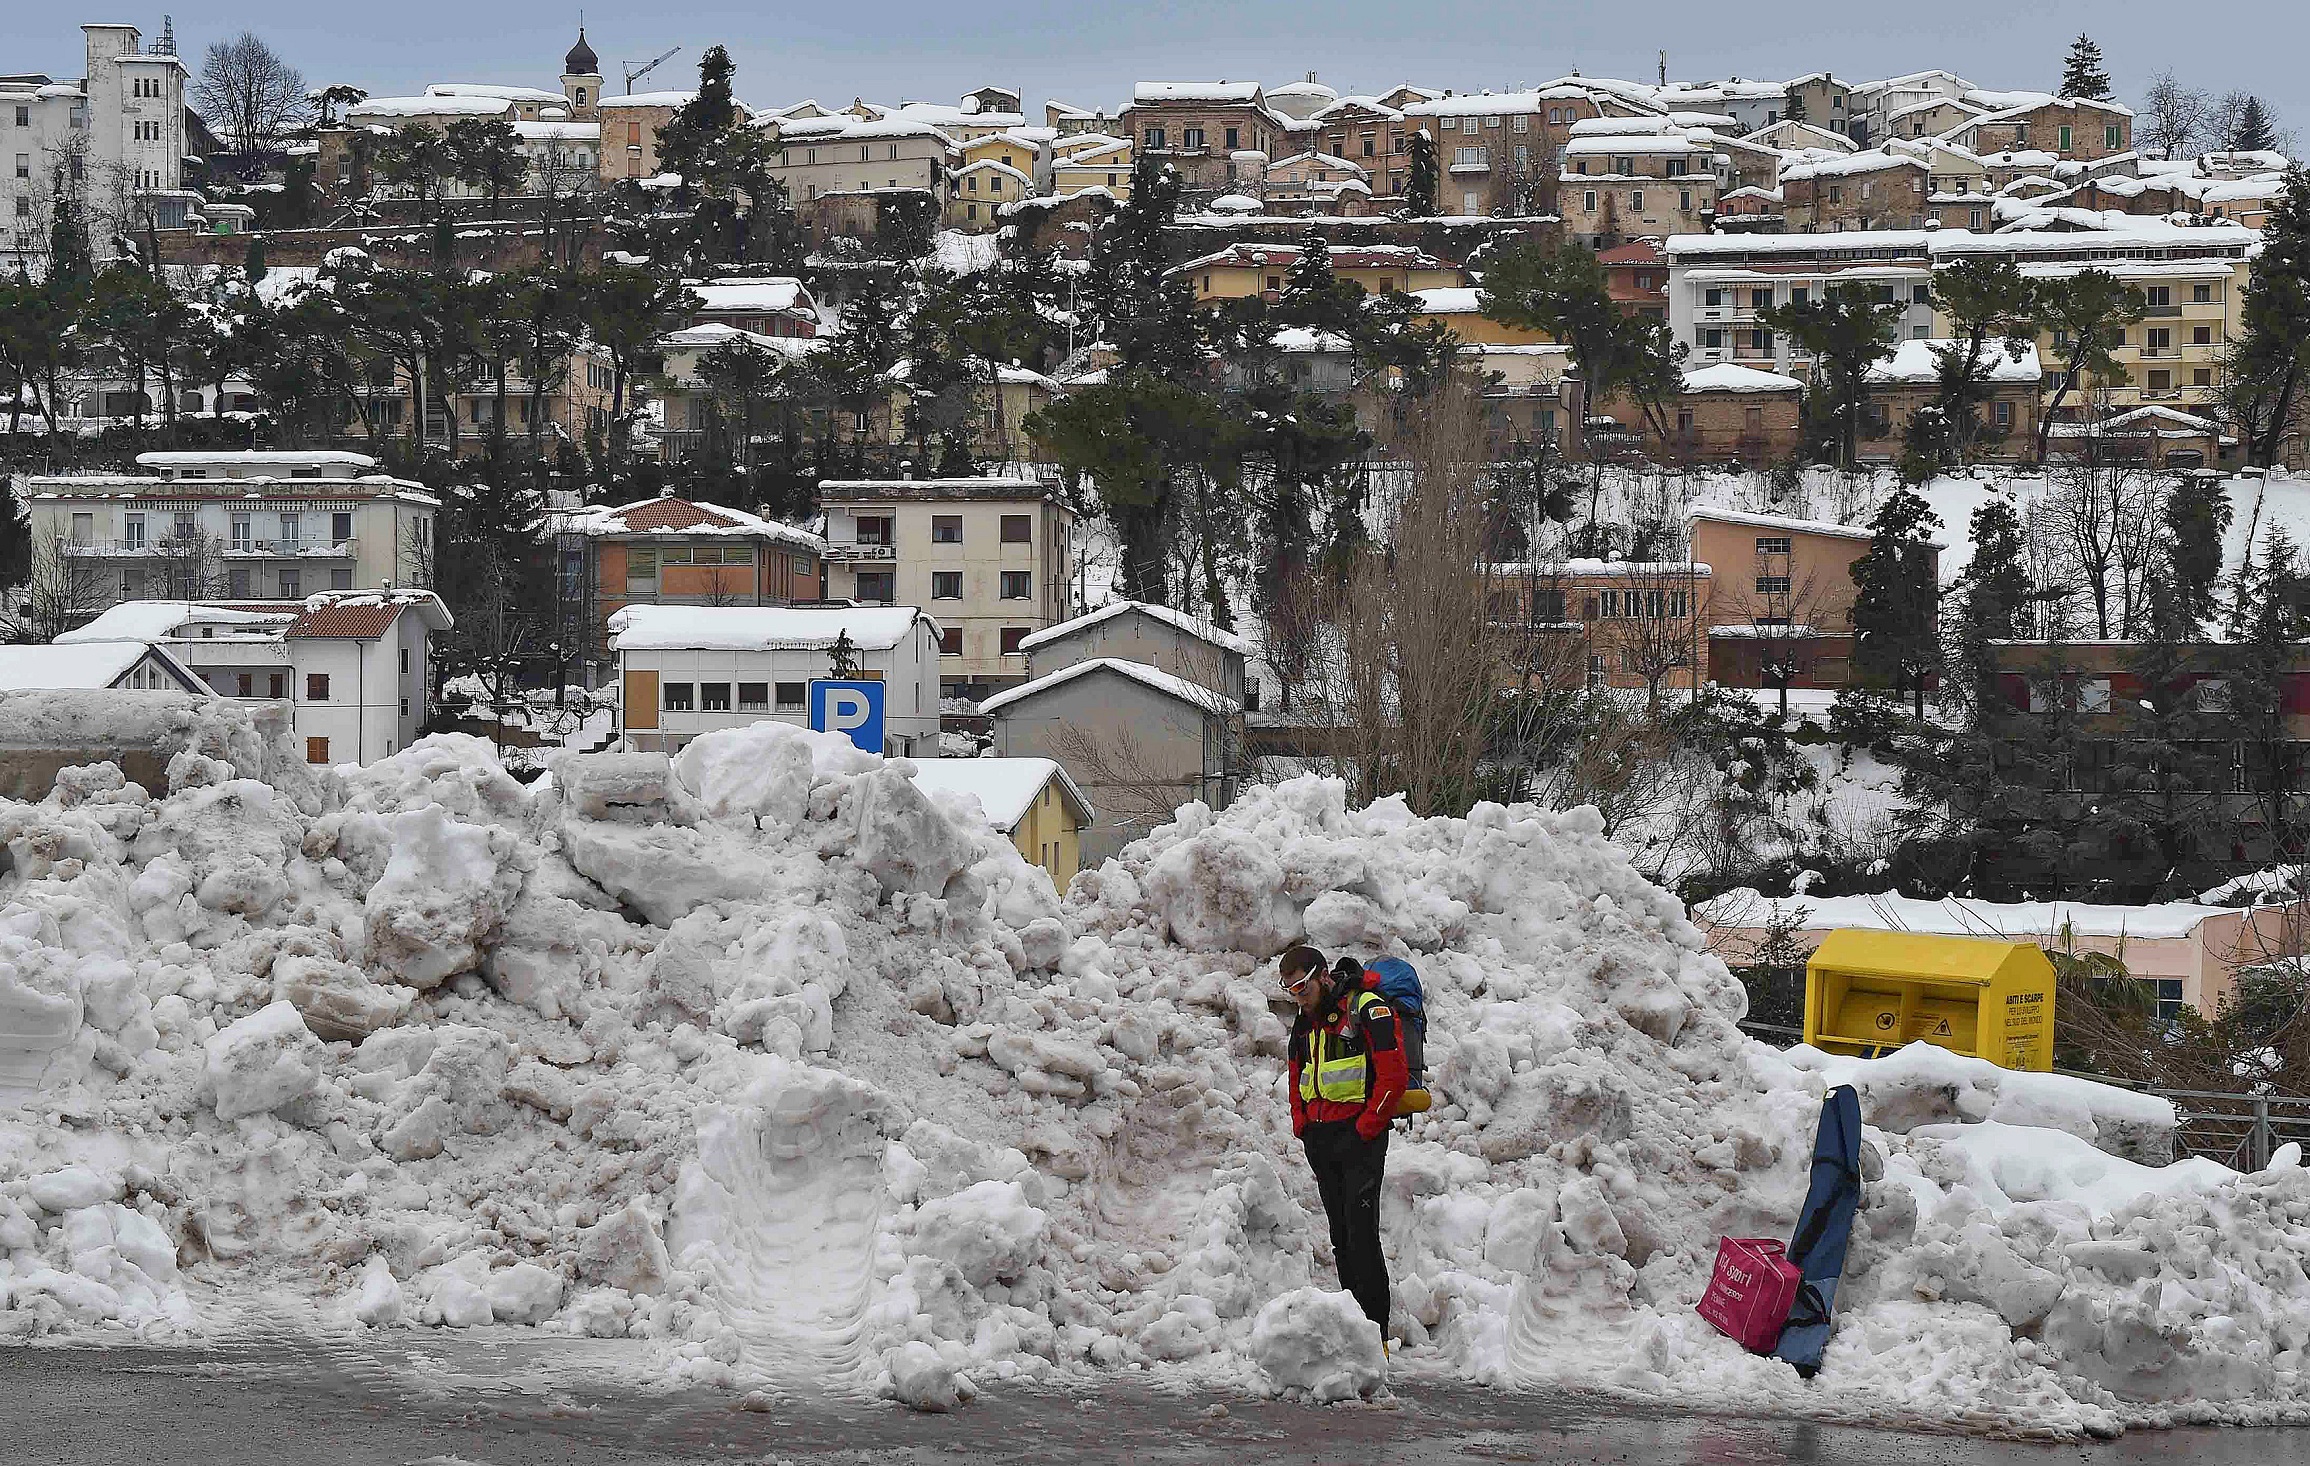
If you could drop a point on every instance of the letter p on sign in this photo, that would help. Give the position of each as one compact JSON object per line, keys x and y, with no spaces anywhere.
{"x":851,"y":708}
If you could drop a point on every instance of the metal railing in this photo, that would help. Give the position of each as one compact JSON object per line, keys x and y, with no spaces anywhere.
{"x":2239,"y":1130}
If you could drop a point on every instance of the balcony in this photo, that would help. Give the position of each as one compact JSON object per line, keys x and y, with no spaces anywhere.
{"x":2162,"y":310}
{"x":855,"y":552}
{"x":291,"y":549}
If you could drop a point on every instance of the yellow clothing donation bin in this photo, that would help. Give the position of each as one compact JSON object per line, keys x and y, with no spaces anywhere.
{"x":1870,"y":992}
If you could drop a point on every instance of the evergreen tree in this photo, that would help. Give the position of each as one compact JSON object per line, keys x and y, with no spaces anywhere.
{"x":2089,"y":311}
{"x":1992,"y":310}
{"x":2266,"y":627}
{"x":1793,"y":106}
{"x":2266,"y":365}
{"x":698,"y":125}
{"x":1423,"y":181}
{"x":1846,"y":333}
{"x":1313,"y":296}
{"x":2082,"y":72}
{"x":1896,"y":601}
{"x":1994,"y":596}
{"x":2162,"y":809}
{"x":2254,"y":132}
{"x":2197,"y":514}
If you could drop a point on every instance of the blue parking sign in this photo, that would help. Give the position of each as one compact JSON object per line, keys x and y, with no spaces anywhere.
{"x":854,"y":708}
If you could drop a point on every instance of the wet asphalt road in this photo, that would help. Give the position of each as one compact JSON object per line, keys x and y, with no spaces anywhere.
{"x":501,"y":1402}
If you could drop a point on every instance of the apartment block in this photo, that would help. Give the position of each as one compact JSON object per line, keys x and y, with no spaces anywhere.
{"x":115,"y":135}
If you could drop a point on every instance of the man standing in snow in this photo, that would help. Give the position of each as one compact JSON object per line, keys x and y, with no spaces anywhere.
{"x":1347,"y":1072}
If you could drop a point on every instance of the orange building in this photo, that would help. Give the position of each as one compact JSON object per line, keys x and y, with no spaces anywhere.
{"x":669,"y":551}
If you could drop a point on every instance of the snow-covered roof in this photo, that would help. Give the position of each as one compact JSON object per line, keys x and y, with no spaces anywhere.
{"x":1875,"y":160}
{"x":1959,"y":916}
{"x":1006,"y":788}
{"x":1178,"y":620}
{"x":81,"y":664}
{"x":569,"y":132}
{"x":1727,"y":376}
{"x":1196,"y":91}
{"x":709,"y":334}
{"x":159,"y":620}
{"x":839,"y":126}
{"x":1192,"y":693}
{"x":1777,"y":521}
{"x":1450,"y":300}
{"x":1918,"y":362}
{"x":682,"y":519}
{"x":381,"y":108}
{"x":762,"y":628}
{"x":649,"y":99}
{"x":494,"y":89}
{"x":749,"y":293}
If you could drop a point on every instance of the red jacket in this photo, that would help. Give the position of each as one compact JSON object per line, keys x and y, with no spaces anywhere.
{"x":1390,"y":1076}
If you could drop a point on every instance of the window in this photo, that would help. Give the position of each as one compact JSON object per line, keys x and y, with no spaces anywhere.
{"x":1920,"y":295}
{"x":1772,"y":585}
{"x":1636,"y":199}
{"x":24,"y":117}
{"x":23,"y":165}
{"x":237,"y":586}
{"x":2161,"y":380}
{"x":2110,"y":136}
{"x":316,"y":687}
{"x":1154,"y":137}
{"x":950,"y":641}
{"x":2202,"y":377}
{"x":1684,"y":199}
{"x":2159,"y":295}
{"x":1018,"y":585}
{"x":240,"y":532}
{"x":1191,"y":137}
{"x":792,"y":696}
{"x":1012,"y":636}
{"x":404,"y":661}
{"x":132,"y":531}
{"x":2201,"y":294}
{"x":946,"y":529}
{"x":2201,"y":335}
{"x":2157,"y":341}
{"x":1588,"y":200}
{"x":291,"y":531}
{"x":2004,"y":414}
{"x":245,"y":684}
{"x":1018,"y":529}
{"x":1712,"y":340}
{"x":1232,"y":142}
{"x":713,"y":697}
{"x":676,"y":697}
{"x":277,"y":685}
{"x":292,"y":584}
{"x":1799,"y":294}
{"x":753,"y":697}
{"x":1772,"y":544}
{"x":340,"y":528}
{"x":341,"y":578}
{"x":641,"y":565}
{"x":183,"y":530}
{"x":946,"y":585}
{"x":316,"y":750}
{"x":1521,"y":123}
{"x":1761,"y":299}
{"x":2063,"y":145}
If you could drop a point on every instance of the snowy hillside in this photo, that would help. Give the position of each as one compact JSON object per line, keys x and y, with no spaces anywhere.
{"x":764,"y":1058}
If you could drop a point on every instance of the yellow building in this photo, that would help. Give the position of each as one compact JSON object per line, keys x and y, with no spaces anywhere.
{"x":1091,"y":161}
{"x":1029,"y":799}
{"x":1259,"y":269}
{"x":1009,"y":149}
{"x":1460,"y":309}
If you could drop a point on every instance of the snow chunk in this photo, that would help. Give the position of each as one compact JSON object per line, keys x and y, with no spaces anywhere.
{"x":1319,"y":1343}
{"x":442,"y":898}
{"x":264,"y":1061}
{"x":987,"y":1231}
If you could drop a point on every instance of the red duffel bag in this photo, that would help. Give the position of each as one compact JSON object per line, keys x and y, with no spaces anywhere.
{"x":1751,"y":1290}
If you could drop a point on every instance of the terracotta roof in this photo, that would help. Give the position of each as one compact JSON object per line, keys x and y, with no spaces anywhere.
{"x":365,"y":622}
{"x":675,"y":514}
{"x":1635,"y":252}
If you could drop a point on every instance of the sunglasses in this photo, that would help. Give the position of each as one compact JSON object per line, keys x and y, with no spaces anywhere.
{"x":1301,"y":983}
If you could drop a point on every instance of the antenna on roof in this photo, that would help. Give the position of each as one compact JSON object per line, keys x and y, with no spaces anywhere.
{"x":1664,"y":68}
{"x":168,"y":35}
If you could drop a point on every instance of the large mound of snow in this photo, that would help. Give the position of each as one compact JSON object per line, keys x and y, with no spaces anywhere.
{"x":763,"y":1055}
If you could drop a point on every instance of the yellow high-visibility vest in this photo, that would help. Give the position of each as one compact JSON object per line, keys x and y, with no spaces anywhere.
{"x":1332,"y":1076}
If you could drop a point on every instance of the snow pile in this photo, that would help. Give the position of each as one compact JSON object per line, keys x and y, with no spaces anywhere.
{"x":764,"y":1056}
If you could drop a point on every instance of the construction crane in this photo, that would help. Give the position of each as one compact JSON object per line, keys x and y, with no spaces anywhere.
{"x":636,"y":73}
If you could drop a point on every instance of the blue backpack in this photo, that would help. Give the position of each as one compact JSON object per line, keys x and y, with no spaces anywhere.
{"x":1397,"y":981}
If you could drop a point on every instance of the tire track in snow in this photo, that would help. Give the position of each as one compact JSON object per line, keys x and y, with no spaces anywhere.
{"x":782,"y":1217}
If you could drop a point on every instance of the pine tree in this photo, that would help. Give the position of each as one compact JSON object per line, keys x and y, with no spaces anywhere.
{"x":1793,"y":106}
{"x":1991,"y":309}
{"x":1995,"y":595}
{"x":1423,"y":182}
{"x":1845,"y":332}
{"x":2266,"y":366}
{"x":1896,"y":599}
{"x":2266,"y":627}
{"x":2255,"y":132}
{"x":2082,"y":72}
{"x":2161,"y":812}
{"x":2197,"y":516}
{"x":1314,"y":296}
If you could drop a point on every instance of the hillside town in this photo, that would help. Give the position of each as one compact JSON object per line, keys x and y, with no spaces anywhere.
{"x":559,"y":585}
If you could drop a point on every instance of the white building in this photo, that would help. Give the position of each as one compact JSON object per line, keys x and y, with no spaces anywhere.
{"x":115,"y":136}
{"x":355,"y":668}
{"x":135,"y":665}
{"x":687,"y":670}
{"x":239,"y":525}
{"x":1717,"y":283}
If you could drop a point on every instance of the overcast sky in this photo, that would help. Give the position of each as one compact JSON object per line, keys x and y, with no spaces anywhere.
{"x":1089,"y":53}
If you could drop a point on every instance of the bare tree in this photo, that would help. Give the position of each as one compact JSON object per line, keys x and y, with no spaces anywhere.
{"x":61,"y":590}
{"x":2105,"y":515}
{"x":191,"y":567}
{"x":1785,"y":614}
{"x":248,"y":93}
{"x":2172,"y":118}
{"x":1127,"y":774}
{"x":1656,"y":629}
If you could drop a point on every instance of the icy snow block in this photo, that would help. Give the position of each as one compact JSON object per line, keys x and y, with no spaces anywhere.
{"x":1320,"y":1344}
{"x":379,"y":1304}
{"x":70,"y":1189}
{"x":764,"y":770}
{"x":920,"y":1378}
{"x":987,"y":1231}
{"x":1922,"y":1084}
{"x":623,"y":1250}
{"x":627,"y":788}
{"x":339,"y":1001}
{"x":904,"y":842}
{"x":1221,"y":891}
{"x":524,"y":1293}
{"x":443,"y":896}
{"x":263,"y":1062}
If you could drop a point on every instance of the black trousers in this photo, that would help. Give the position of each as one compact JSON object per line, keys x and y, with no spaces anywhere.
{"x":1348,"y":1169}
